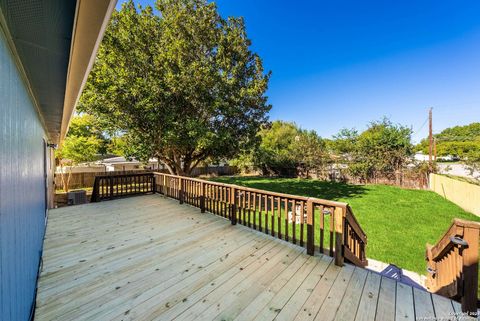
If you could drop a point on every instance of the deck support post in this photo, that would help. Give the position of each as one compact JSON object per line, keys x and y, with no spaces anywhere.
{"x":233,"y":205}
{"x":202,"y":197}
{"x":310,"y":228}
{"x":339,"y":216}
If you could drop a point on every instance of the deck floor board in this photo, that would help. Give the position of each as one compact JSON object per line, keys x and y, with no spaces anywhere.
{"x":149,"y":258}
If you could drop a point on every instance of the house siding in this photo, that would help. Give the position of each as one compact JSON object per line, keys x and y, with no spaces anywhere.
{"x":22,"y":191}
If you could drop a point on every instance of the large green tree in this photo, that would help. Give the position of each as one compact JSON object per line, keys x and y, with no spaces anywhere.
{"x":379,"y":151}
{"x":85,"y":140}
{"x":182,"y":86}
{"x":284,"y":149}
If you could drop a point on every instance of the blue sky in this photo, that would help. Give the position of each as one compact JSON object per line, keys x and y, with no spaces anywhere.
{"x":345,"y":63}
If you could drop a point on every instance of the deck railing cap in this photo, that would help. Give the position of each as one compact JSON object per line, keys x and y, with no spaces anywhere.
{"x":466,"y":223}
{"x":250,"y":189}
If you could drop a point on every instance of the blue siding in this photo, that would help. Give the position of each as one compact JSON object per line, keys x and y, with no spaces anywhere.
{"x":22,"y":191}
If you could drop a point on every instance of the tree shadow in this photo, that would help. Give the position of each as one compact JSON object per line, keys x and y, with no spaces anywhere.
{"x":305,"y":187}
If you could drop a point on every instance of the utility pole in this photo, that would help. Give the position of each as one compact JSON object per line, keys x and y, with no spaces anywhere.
{"x":434,"y":149}
{"x":430,"y":136}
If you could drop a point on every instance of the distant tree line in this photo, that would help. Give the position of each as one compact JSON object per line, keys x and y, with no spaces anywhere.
{"x":459,"y":141}
{"x":382,"y":150}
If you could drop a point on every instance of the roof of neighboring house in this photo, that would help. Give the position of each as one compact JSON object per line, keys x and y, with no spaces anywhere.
{"x":55,"y":43}
{"x":123,"y":160}
{"x":119,"y":160}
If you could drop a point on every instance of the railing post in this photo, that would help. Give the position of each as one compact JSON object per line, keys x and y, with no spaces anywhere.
{"x":310,"y":228}
{"x":470,"y":270}
{"x":154,"y":182}
{"x":233,"y":205}
{"x":339,"y":222}
{"x":180,"y":190}
{"x":95,"y":191}
{"x":164,"y":187}
{"x":202,"y":197}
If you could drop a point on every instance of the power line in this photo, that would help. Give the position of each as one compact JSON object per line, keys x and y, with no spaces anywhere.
{"x":416,"y":132}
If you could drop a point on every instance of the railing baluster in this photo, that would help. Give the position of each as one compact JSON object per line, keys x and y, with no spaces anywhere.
{"x":285,"y":203}
{"x":331,"y":230}
{"x":294,"y":221}
{"x":339,"y":223}
{"x":272,"y":213}
{"x":310,"y":228}
{"x":260,"y":213}
{"x":279,"y":218}
{"x":254,"y":210}
{"x":233,"y":200}
{"x":322,"y":228}
{"x":265,"y":201}
{"x":302,"y":219}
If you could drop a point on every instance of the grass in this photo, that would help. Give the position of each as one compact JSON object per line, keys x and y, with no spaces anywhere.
{"x":398,"y":222}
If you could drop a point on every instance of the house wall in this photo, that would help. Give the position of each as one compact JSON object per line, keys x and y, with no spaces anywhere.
{"x":22,"y":190}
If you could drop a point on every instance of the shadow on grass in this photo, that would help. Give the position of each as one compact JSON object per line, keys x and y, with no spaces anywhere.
{"x":312,"y":188}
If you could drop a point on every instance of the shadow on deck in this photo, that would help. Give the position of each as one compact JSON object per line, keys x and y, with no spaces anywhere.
{"x":149,"y":258}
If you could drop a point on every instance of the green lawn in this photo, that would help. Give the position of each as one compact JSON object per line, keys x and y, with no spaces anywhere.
{"x":398,"y":222}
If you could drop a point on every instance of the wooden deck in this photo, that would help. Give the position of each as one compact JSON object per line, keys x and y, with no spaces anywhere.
{"x":149,"y":258}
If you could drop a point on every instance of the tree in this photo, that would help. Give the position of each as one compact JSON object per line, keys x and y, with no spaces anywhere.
{"x":344,"y":142}
{"x":276,"y":151}
{"x":472,"y":160}
{"x":311,"y":151}
{"x":86,"y":125}
{"x":79,"y":149}
{"x":83,"y":143}
{"x":182,"y":86}
{"x":459,"y":141}
{"x":381,"y":150}
{"x":456,"y":141}
{"x":74,"y":150}
{"x":284,"y":148}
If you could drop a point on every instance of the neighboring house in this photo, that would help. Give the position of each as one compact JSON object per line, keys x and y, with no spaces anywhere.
{"x":421,"y":157}
{"x":47,"y":48}
{"x":123,"y":164}
{"x":80,"y":169}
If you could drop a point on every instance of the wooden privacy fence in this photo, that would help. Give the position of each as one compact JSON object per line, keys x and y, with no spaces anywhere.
{"x":115,"y":186}
{"x":87,"y":179}
{"x":453,"y":264}
{"x":319,"y":225}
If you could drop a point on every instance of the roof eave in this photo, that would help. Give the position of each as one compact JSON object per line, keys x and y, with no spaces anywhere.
{"x":91,"y":20}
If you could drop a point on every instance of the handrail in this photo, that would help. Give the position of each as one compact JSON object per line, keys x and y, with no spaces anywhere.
{"x":355,"y":224}
{"x":115,"y":186}
{"x":305,"y":198}
{"x":453,"y":264}
{"x":289,"y":217}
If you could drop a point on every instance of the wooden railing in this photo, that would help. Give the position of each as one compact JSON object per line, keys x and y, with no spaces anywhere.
{"x":453,"y":264}
{"x":319,"y":225}
{"x":115,"y":186}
